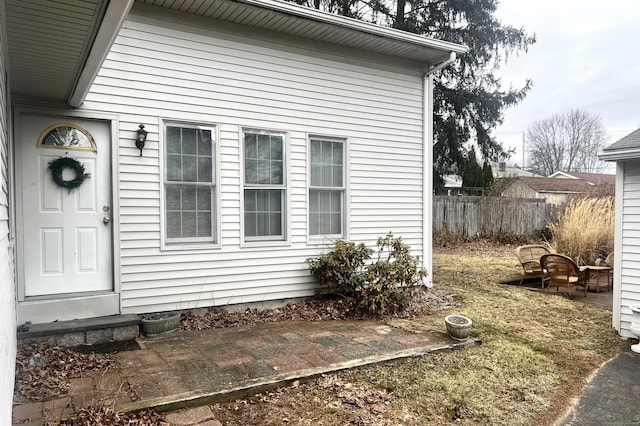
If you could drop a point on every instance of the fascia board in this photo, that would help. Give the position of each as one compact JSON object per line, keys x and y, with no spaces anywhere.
{"x":620,"y":155}
{"x":113,"y":20}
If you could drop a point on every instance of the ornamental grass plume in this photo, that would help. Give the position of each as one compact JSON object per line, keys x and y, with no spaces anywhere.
{"x":584,"y":229}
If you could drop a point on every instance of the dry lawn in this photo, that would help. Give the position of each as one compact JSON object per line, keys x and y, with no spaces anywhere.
{"x":538,"y":350}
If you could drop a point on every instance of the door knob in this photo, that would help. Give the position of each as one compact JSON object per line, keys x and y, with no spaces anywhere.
{"x":106,"y":219}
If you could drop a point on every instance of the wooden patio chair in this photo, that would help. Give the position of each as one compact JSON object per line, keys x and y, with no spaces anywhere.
{"x":564,"y":272}
{"x":529,"y":257}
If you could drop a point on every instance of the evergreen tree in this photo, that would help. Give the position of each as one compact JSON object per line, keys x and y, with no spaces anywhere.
{"x":469,"y":99}
{"x":487,"y":172}
{"x":472,"y":176}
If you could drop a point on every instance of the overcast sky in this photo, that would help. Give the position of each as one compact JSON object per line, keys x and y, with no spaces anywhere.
{"x":587,"y":57}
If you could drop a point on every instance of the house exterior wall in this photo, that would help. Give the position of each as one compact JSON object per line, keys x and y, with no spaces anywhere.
{"x":627,"y":258}
{"x":7,"y":287}
{"x":519,"y":189}
{"x":230,"y":78}
{"x":555,"y":199}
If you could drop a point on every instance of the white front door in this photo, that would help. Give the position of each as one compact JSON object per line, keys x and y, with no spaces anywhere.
{"x":66,"y":233}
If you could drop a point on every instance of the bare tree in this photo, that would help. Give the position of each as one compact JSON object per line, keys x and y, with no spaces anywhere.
{"x":566,"y":142}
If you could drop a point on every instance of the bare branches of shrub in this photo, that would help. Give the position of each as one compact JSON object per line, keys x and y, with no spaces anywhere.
{"x":379,"y":287}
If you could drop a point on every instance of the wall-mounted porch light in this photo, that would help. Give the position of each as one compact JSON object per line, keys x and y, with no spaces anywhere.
{"x":141,"y":138}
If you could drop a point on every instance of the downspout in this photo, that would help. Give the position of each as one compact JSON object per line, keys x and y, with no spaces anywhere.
{"x":427,"y":166}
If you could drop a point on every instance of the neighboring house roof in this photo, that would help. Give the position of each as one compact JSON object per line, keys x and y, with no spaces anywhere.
{"x":592,"y":178}
{"x":95,"y":26}
{"x":562,"y":175}
{"x":543,"y":184}
{"x":626,"y":148}
{"x":596,"y":178}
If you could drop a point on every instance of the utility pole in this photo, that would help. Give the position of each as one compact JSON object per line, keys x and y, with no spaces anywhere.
{"x":523,"y":150}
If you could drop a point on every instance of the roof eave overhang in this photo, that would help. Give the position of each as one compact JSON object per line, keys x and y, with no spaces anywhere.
{"x":114,"y":18}
{"x":620,"y":155}
{"x":118,"y":10}
{"x":560,"y":192}
{"x":567,"y":175}
{"x":311,"y":14}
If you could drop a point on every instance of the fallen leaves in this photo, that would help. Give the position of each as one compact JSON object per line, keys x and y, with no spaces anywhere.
{"x":349,"y":393}
{"x":331,"y":399}
{"x":104,"y":416}
{"x":324,"y":309}
{"x":43,"y":371}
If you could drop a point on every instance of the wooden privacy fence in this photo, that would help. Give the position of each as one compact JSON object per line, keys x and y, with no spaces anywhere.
{"x":472,"y":216}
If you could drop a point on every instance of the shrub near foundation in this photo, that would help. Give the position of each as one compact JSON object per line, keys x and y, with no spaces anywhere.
{"x":584,"y":229}
{"x":341,"y":270}
{"x":379,"y":287}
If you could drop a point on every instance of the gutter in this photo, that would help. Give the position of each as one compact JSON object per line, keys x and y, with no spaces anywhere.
{"x":427,"y":166}
{"x":441,"y":65}
{"x":620,"y":155}
{"x":311,"y":14}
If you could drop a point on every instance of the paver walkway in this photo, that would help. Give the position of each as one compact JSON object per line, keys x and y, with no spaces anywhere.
{"x":191,"y":369}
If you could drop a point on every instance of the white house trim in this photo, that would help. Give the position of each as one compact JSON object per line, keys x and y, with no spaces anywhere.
{"x":114,"y":17}
{"x":286,"y":189}
{"x":563,"y":174}
{"x":618,"y":245}
{"x":323,"y":27}
{"x":162,"y":122}
{"x":356,"y":25}
{"x":427,"y":178}
{"x":620,"y":154}
{"x":327,"y":240}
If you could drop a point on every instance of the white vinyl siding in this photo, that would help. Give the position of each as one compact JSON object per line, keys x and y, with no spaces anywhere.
{"x":253,"y":80}
{"x":326,"y":187}
{"x":629,"y":235}
{"x":189,"y":186}
{"x":8,"y":288}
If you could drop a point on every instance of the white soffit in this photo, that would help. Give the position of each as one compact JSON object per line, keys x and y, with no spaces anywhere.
{"x":48,"y":42}
{"x":304,"y":22}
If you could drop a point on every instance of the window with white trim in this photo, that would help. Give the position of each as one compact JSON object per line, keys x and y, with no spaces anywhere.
{"x":189,"y":184}
{"x":326,"y":186}
{"x":265,"y":185}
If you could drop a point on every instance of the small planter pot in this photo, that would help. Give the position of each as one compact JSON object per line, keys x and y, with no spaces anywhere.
{"x":458,"y":327}
{"x":635,"y":326}
{"x":160,"y":323}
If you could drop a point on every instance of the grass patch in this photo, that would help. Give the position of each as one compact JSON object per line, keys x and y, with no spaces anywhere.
{"x":538,"y":348}
{"x":489,"y":384}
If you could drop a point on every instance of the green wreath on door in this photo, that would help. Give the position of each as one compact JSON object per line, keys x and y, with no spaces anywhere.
{"x":58,"y":165}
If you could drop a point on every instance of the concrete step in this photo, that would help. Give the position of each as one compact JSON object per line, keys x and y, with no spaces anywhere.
{"x":88,"y":331}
